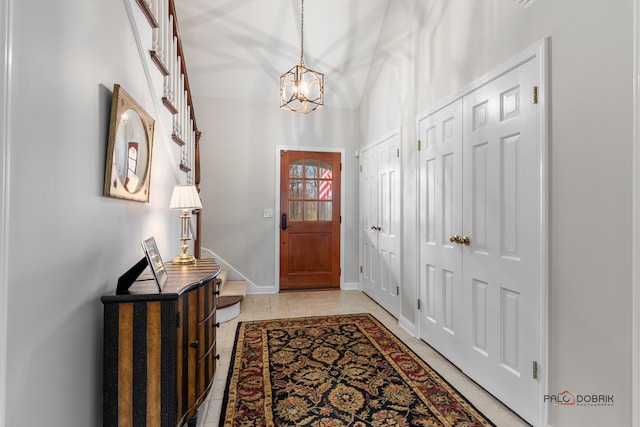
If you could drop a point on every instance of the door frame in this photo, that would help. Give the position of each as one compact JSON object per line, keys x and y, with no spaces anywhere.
{"x":5,"y":144}
{"x":277,"y":207}
{"x":539,"y":50}
{"x":635,"y":239}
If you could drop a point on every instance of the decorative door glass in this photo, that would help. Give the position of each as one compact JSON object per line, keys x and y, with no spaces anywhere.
{"x":310,"y":190}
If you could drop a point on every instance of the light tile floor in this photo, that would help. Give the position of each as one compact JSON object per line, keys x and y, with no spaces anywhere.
{"x":298,"y":304}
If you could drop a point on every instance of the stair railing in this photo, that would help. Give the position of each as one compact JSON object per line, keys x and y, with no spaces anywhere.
{"x":166,"y":52}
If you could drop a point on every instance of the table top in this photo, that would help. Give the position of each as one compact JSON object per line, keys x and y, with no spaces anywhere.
{"x":180,"y":279}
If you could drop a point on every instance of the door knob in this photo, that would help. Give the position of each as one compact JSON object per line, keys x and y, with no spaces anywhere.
{"x":456,"y":238}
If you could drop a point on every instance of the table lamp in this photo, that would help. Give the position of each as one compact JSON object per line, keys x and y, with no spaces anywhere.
{"x":185,"y":197}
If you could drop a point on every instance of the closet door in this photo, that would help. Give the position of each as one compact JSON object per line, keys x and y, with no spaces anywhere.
{"x":440,"y":276}
{"x":481,"y":234}
{"x":381,"y":222}
{"x":502,"y":217}
{"x":369,"y":221}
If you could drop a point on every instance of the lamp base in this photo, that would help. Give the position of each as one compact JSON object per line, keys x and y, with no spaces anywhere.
{"x":184,"y":259}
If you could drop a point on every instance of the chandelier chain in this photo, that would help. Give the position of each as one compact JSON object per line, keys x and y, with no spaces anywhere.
{"x":302,"y":34}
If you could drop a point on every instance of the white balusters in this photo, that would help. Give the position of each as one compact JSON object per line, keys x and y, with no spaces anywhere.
{"x":166,"y":54}
{"x":157,"y":44}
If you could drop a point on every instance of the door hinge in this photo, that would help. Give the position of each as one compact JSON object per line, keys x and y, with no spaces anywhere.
{"x":360,"y":269}
{"x":419,"y":145}
{"x":397,"y":290}
{"x":418,"y":303}
{"x":177,"y":320}
{"x":281,"y":153}
{"x":397,"y":152}
{"x":535,"y":370}
{"x":340,"y":271}
{"x":340,"y":166}
{"x":535,"y":94}
{"x":340,"y":219}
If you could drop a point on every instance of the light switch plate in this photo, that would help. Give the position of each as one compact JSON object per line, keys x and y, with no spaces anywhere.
{"x":268,"y":213}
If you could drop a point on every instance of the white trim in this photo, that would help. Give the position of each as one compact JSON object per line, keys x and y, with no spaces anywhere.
{"x":351,"y":286}
{"x":408,"y":326}
{"x":5,"y":152}
{"x":635,"y":239}
{"x":252,"y":288}
{"x":517,"y":60}
{"x":383,"y":138}
{"x":539,"y":50}
{"x":277,"y":209}
{"x":543,"y":128}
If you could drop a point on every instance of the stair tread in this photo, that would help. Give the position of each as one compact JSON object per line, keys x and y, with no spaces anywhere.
{"x":233,"y":288}
{"x":228,"y":301}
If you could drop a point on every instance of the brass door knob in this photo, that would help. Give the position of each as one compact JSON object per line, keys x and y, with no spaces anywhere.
{"x":456,"y":238}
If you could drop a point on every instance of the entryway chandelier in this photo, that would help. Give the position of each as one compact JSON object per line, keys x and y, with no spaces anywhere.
{"x":301,"y":89}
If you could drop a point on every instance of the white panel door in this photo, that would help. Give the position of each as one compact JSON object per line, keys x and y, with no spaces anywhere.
{"x":480,"y":186}
{"x":501,"y":199}
{"x":389,"y":223}
{"x":440,"y":276}
{"x":381,"y":222}
{"x":369,"y":221}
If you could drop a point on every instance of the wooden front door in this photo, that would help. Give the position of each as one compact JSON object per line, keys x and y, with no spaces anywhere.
{"x":309,"y":220}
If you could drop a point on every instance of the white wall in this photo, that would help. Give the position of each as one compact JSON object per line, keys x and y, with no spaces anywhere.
{"x":428,"y":51}
{"x":238,"y":158}
{"x":67,"y":243}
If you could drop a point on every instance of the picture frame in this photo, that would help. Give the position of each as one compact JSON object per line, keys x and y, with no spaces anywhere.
{"x":155,"y":262}
{"x":130,"y":145}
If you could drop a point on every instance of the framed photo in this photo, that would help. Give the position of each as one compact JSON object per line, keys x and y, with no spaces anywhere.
{"x":155,"y":262}
{"x":128,"y":168}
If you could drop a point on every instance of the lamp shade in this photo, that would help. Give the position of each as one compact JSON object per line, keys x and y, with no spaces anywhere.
{"x":185,"y":197}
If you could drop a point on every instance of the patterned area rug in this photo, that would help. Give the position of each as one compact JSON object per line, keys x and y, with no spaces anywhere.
{"x":333,"y":371}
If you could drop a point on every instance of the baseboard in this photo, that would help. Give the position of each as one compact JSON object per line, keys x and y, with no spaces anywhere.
{"x":407,"y":326}
{"x":234,"y":274}
{"x":351,"y":286}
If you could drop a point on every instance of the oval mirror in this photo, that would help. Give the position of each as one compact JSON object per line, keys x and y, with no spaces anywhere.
{"x":131,"y":151}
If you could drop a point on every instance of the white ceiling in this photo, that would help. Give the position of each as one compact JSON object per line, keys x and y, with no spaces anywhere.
{"x":238,"y":49}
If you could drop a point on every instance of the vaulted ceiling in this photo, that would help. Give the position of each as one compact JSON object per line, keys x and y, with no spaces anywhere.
{"x":239,"y":49}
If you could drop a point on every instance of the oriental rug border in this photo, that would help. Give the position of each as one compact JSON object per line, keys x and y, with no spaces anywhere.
{"x":335,"y":371}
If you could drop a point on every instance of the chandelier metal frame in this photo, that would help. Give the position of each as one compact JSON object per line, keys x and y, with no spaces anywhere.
{"x":301,"y":88}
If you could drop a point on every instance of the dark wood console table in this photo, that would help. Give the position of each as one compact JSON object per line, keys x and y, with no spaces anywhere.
{"x":160,"y":348}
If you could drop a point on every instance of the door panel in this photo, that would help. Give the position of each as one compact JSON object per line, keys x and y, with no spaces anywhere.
{"x":501,"y":274}
{"x":310,"y":223}
{"x":380,"y":222}
{"x":368,"y":221}
{"x":441,"y":218}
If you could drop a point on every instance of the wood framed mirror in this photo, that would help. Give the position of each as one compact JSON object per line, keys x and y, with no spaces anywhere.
{"x":128,"y":169}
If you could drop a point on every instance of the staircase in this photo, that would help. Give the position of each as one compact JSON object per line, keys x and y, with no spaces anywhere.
{"x":232,"y":292}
